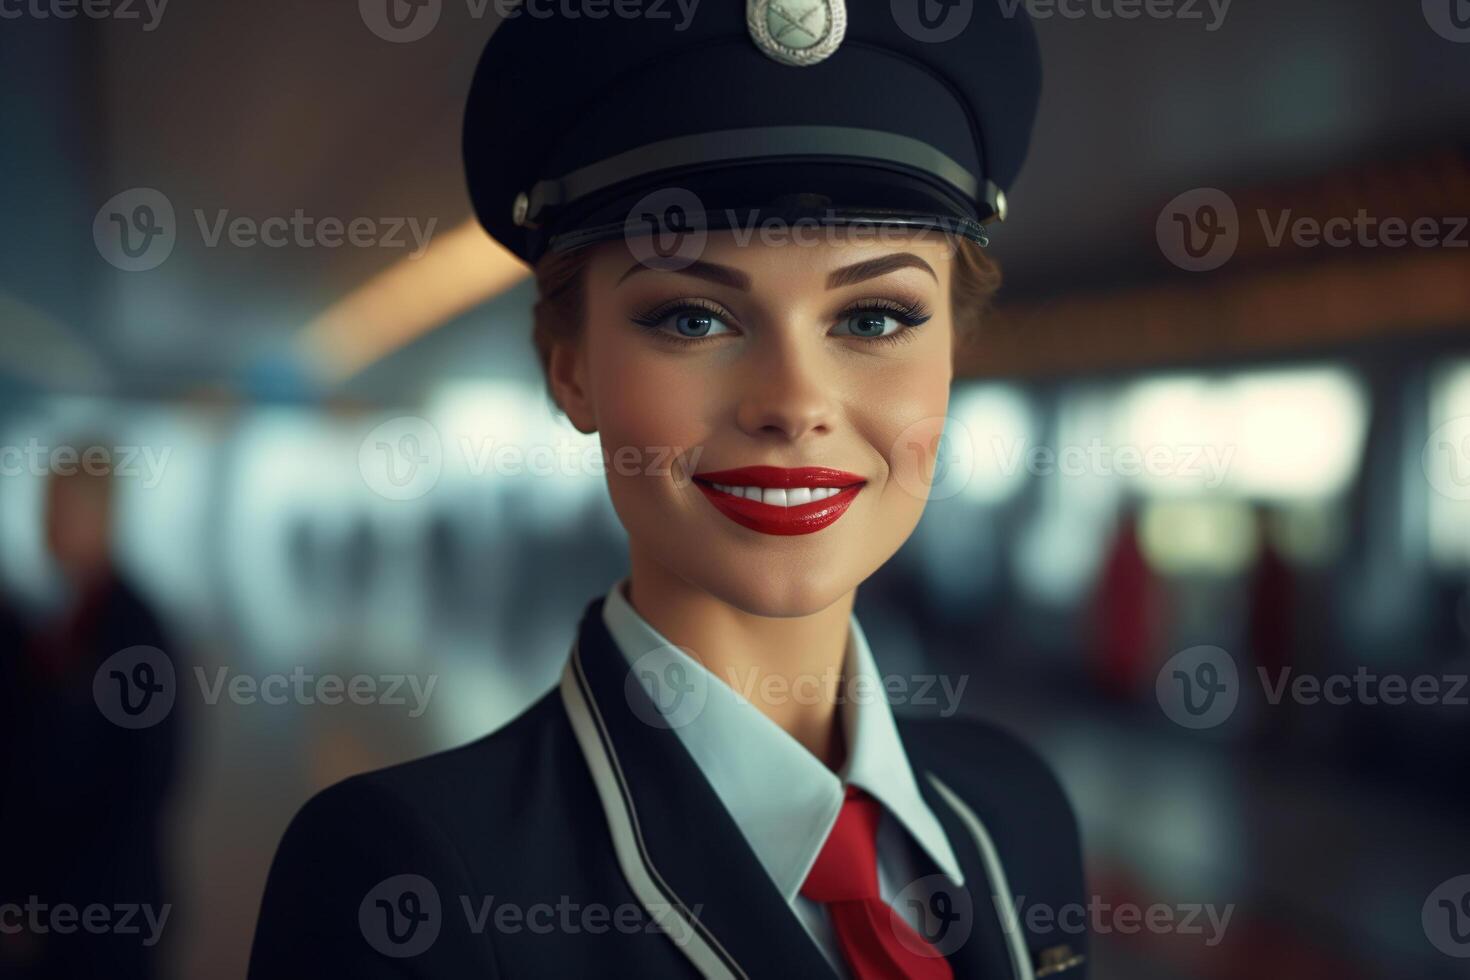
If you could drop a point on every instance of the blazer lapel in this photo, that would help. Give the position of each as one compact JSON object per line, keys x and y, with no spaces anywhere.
{"x":683,"y":855}
{"x":990,"y":950}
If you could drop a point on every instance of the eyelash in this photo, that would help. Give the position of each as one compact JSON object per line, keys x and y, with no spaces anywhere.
{"x":911,"y":313}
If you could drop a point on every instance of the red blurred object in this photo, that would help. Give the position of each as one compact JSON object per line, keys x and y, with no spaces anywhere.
{"x":1127,"y":611}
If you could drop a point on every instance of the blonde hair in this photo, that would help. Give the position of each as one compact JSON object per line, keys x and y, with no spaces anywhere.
{"x":560,"y":311}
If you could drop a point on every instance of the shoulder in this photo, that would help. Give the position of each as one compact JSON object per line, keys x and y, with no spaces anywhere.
{"x":415,"y":829}
{"x":988,"y":762}
{"x":437,"y":788}
{"x":441,"y":795}
{"x":1009,"y":788}
{"x":998,"y":788}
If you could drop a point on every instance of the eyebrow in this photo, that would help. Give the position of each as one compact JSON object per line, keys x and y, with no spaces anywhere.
{"x":729,"y":276}
{"x":880,"y":266}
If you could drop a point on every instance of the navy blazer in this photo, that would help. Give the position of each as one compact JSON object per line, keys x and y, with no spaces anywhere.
{"x":578,"y":841}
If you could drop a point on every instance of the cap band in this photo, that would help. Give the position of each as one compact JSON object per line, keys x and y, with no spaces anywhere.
{"x":964,"y":227}
{"x":873,"y":146}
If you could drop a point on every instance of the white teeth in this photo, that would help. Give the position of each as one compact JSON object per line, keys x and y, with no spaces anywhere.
{"x":792,"y":497}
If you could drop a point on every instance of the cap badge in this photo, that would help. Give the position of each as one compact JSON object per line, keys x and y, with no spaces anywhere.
{"x":796,"y":32}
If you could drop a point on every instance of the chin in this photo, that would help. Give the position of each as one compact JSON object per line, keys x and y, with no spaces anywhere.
{"x":772,"y":587}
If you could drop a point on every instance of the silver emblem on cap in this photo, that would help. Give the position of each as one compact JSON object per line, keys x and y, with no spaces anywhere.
{"x":796,"y":32}
{"x":519,"y":208}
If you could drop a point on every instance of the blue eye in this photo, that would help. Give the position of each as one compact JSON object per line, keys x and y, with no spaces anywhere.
{"x":868,"y":323}
{"x":691,"y":322}
{"x":697,"y":324}
{"x":884,"y":320}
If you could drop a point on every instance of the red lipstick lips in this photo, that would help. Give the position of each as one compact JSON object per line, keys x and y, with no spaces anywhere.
{"x":773,"y":518}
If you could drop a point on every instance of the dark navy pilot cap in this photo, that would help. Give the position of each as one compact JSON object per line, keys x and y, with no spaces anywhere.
{"x":906,"y":112}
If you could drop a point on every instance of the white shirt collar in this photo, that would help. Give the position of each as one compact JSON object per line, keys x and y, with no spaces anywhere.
{"x":783,"y":798}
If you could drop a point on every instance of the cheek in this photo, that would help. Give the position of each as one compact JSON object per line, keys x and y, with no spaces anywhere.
{"x":906,"y":417}
{"x":647,"y":407}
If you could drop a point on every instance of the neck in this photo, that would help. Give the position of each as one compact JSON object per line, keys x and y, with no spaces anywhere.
{"x":789,"y":667}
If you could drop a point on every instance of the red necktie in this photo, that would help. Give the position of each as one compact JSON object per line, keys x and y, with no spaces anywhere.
{"x":875,"y":942}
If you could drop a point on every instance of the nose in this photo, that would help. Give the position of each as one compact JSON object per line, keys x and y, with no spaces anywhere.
{"x":786,"y":390}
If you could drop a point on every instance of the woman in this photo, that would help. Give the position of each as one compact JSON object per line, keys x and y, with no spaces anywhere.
{"x":757,"y":241}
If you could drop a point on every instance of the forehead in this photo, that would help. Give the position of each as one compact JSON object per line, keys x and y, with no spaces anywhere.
{"x":786,"y":255}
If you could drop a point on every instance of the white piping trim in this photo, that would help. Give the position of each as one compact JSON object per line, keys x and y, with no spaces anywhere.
{"x":1005,"y":904}
{"x":643,"y":878}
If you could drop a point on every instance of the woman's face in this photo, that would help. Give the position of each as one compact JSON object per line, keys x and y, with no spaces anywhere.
{"x":776,"y":355}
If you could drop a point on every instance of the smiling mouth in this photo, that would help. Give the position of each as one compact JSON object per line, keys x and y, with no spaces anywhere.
{"x":777,"y":500}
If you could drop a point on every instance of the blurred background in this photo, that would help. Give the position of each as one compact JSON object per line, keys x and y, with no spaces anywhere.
{"x":1199,"y":442}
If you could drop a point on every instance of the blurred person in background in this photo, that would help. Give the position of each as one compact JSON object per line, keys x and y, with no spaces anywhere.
{"x":1128,"y":610}
{"x":82,"y":797}
{"x":1272,"y":602}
